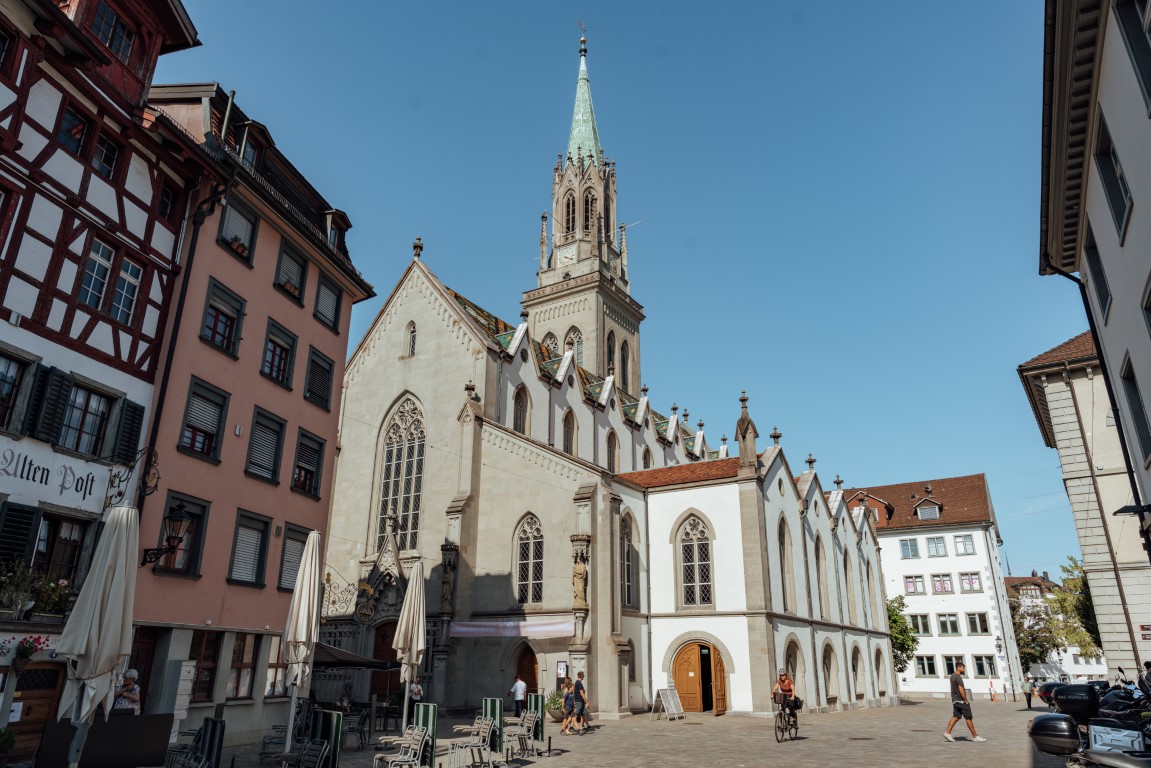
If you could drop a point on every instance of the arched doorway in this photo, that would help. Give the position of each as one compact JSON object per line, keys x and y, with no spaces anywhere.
{"x":528,"y":668}
{"x":830,"y":676}
{"x":700,"y":678}
{"x":385,"y":683}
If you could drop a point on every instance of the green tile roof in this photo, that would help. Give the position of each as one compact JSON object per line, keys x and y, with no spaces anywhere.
{"x":584,"y":138}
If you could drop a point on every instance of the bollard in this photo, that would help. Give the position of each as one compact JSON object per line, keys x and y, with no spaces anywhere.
{"x":549,"y":746}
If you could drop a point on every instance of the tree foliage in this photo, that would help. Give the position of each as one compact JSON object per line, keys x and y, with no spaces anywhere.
{"x":1065,"y":618}
{"x":1072,"y":602}
{"x":1037,"y":633}
{"x":903,"y":640}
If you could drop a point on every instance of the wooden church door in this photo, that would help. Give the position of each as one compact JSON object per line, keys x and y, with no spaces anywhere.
{"x":718,"y":681}
{"x":686,"y":673}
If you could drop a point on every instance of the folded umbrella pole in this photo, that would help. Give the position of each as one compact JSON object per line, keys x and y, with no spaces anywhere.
{"x":411,"y":634}
{"x":302,"y":629}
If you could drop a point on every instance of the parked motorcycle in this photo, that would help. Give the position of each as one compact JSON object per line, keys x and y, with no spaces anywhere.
{"x":1091,"y":735}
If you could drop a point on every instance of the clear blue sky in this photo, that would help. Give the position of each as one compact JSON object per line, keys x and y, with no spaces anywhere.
{"x":839,"y":202}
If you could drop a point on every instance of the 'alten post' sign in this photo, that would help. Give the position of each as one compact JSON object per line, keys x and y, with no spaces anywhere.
{"x":31,"y":472}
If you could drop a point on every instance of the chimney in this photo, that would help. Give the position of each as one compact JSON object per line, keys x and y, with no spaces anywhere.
{"x":1045,"y":577}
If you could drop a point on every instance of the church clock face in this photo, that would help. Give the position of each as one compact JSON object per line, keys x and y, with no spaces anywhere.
{"x":566,"y":254}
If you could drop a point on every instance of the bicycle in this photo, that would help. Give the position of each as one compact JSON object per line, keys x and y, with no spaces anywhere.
{"x":786,"y":719}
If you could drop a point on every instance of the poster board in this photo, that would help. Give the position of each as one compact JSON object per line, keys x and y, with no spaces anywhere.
{"x":667,"y":701}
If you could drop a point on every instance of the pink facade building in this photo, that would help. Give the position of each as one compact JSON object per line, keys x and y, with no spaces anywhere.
{"x":246,"y":415}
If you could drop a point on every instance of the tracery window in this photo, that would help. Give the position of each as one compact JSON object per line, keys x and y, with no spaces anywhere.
{"x":569,"y":214}
{"x":403,"y":473}
{"x":575,"y":339}
{"x":589,"y":212}
{"x":627,"y":586}
{"x":411,"y":339}
{"x":552,"y":345}
{"x":530,"y":561}
{"x":520,"y":411}
{"x":569,"y":433}
{"x":695,"y":562}
{"x":624,"y":368}
{"x":612,"y":452}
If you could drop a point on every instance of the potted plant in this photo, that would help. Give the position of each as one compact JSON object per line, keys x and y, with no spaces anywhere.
{"x":554,"y":704}
{"x":52,"y":599}
{"x":25,"y":647}
{"x":17,"y":587}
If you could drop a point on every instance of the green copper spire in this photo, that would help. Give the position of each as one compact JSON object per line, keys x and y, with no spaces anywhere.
{"x":584,"y":138}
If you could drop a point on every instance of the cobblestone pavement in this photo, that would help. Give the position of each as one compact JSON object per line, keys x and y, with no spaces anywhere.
{"x":900,"y":737}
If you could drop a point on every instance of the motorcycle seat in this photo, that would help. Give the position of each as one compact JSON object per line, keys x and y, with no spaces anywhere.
{"x":1118,"y":759}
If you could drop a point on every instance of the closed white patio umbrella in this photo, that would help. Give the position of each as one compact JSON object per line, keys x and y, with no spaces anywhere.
{"x":302,"y":629}
{"x":98,"y":636}
{"x":411,"y":634}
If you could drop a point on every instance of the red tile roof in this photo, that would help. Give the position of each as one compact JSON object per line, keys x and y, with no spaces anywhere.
{"x":1081,"y":346}
{"x":1013,"y":583}
{"x":684,"y":473}
{"x":961,"y":499}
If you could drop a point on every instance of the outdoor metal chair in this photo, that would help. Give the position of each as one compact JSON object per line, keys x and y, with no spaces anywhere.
{"x":411,"y":748}
{"x":356,"y":725}
{"x":481,"y":743}
{"x":525,"y":734}
{"x":311,"y":756}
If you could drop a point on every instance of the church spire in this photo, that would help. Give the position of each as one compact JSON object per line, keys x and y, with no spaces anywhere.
{"x":584,"y":139}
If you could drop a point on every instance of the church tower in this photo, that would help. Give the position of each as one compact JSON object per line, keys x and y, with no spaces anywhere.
{"x":583,"y":296}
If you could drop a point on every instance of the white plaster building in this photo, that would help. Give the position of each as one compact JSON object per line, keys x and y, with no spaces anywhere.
{"x":940,"y":550}
{"x":1067,"y":391}
{"x":565,"y":522}
{"x":1096,"y":186}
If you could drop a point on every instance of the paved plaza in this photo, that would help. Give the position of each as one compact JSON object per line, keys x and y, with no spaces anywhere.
{"x":900,"y":737}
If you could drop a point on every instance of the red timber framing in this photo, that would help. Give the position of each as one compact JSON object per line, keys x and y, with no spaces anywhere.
{"x":93,"y":194}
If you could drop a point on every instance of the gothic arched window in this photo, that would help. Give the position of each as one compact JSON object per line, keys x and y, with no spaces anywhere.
{"x":403,"y":473}
{"x":612,"y":452}
{"x":552,"y":345}
{"x":695,"y":562}
{"x":627,"y":585}
{"x":575,"y":339}
{"x":569,"y":433}
{"x":787,"y":578}
{"x":569,"y":214}
{"x":589,"y":212}
{"x":821,"y":579}
{"x":520,"y":411}
{"x":411,"y":339}
{"x":852,"y":615}
{"x":610,"y":351}
{"x":530,"y":561}
{"x":624,"y":368}
{"x":647,"y":458}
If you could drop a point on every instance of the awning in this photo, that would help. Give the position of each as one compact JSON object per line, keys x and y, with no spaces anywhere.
{"x":537,"y":629}
{"x":330,"y":657}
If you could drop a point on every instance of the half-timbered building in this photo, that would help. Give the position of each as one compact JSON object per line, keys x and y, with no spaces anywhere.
{"x":92,"y":209}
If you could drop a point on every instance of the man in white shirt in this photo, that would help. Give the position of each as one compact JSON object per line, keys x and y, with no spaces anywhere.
{"x":519,"y":694}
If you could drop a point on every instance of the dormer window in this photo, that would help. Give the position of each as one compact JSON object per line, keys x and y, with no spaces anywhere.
{"x":334,"y":235}
{"x":111,"y":30}
{"x":929,"y":512}
{"x":251,"y":154}
{"x":338,"y":225}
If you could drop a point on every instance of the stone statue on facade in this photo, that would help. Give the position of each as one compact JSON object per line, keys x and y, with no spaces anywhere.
{"x":579,"y":582}
{"x":447,"y":586}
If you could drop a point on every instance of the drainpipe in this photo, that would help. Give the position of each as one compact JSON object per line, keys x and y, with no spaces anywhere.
{"x":1102,"y":514}
{"x":1135,"y":498}
{"x":204,"y":209}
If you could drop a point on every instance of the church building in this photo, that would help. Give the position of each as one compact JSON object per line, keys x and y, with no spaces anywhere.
{"x":564,"y":523}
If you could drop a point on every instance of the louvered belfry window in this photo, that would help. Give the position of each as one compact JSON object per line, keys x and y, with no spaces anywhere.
{"x":403,"y":473}
{"x":695,"y":556}
{"x":530,"y":561}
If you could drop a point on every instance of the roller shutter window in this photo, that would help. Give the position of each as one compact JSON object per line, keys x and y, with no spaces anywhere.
{"x":264,"y":446}
{"x":328,"y":304}
{"x":238,"y":231}
{"x":318,"y":389}
{"x":309,"y":456}
{"x":248,"y":550}
{"x":294,"y":541}
{"x":290,"y":273}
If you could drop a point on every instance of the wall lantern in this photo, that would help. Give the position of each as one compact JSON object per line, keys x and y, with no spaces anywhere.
{"x":176,"y":524}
